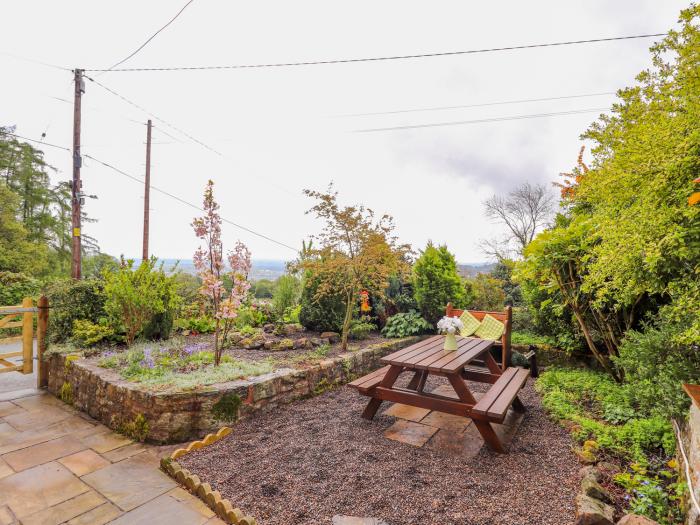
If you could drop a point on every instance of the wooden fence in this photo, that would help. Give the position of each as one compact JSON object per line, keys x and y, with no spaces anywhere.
{"x":22,"y":316}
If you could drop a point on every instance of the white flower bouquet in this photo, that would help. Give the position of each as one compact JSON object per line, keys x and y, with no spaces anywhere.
{"x":449,"y":325}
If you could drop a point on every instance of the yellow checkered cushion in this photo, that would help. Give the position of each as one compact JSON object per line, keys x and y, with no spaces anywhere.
{"x":470,"y":323}
{"x":490,"y":328}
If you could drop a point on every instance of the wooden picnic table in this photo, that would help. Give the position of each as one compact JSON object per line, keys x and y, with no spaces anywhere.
{"x":429,"y":358}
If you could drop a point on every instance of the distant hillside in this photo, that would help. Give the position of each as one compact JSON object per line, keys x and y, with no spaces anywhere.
{"x":273,"y":268}
{"x":472,"y":269}
{"x":262,"y":268}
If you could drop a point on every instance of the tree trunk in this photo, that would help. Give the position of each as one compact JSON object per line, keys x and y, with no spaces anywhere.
{"x":217,"y":356}
{"x":346,"y":322}
{"x":603,"y":360}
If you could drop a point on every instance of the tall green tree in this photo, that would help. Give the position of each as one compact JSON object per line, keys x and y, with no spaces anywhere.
{"x":436,"y":282}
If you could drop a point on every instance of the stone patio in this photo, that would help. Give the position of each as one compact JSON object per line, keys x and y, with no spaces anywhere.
{"x":447,"y":433}
{"x":58,"y":466}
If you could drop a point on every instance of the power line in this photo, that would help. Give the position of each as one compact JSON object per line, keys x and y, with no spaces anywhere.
{"x":483,"y":104}
{"x":384,"y":58}
{"x":34,"y":61}
{"x":179,"y":199}
{"x":183,"y":201}
{"x":152,"y":36}
{"x":483,"y":120}
{"x":34,"y":140}
{"x":156,"y":117}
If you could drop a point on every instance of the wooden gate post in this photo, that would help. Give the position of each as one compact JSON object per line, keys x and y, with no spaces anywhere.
{"x":42,"y":324}
{"x":27,"y":337}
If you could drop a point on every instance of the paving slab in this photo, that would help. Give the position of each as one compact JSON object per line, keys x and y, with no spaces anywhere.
{"x":97,"y":516}
{"x":5,"y":469}
{"x":457,"y":442}
{"x":446,"y":421}
{"x":104,"y":442}
{"x":36,"y":418}
{"x":42,"y":453}
{"x":7,"y":517}
{"x":406,"y":412}
{"x":38,"y":488}
{"x":164,"y":510}
{"x":124,"y":452}
{"x":130,"y":483}
{"x":191,"y":501}
{"x":7,"y":408}
{"x":65,"y":511}
{"x":84,"y":462}
{"x":410,"y":432}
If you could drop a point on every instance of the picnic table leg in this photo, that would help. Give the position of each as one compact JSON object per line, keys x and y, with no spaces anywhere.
{"x":492,"y":365}
{"x":518,"y":405}
{"x":418,"y":380}
{"x":489,"y":435}
{"x":413,"y":384}
{"x":484,"y":427}
{"x":389,"y":379}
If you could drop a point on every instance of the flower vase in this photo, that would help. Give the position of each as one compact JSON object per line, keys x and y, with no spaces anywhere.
{"x":450,"y":342}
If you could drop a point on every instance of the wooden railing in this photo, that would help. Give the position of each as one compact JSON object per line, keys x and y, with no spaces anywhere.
{"x":22,"y":316}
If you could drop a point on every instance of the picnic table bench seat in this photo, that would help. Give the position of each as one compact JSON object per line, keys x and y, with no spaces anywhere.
{"x":495,"y":403}
{"x":366,"y":383}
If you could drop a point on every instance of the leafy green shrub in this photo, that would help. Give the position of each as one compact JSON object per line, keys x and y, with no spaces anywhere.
{"x":16,"y":286}
{"x":606,"y":412}
{"x":656,"y":365}
{"x":135,"y":296}
{"x":286,"y":294}
{"x":436,"y":282}
{"x":136,"y":429}
{"x":251,"y":315}
{"x":360,"y":329}
{"x":201,"y":325}
{"x":320,"y":314}
{"x":406,"y":324}
{"x":86,"y":333}
{"x":488,"y":293}
{"x":263,"y":289}
{"x":72,"y":300}
{"x":291,"y":315}
{"x":528,"y":338}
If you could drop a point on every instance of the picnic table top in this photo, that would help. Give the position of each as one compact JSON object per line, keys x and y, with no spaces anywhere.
{"x":429,"y":354}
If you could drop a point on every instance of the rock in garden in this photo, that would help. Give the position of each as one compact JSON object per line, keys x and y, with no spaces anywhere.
{"x":592,"y":488}
{"x":285,"y":344}
{"x":293,"y":328}
{"x":589,"y":471}
{"x":317,"y":341}
{"x":269,"y":345}
{"x":302,"y":342}
{"x":590,"y":511}
{"x":636,"y":519}
{"x":255,"y":343}
{"x":333,"y":337}
{"x":269,"y":328}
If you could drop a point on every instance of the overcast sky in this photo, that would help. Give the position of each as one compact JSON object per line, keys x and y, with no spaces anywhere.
{"x":280,"y":130}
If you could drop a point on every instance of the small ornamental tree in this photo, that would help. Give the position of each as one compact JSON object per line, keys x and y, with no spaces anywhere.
{"x":356,"y":252}
{"x":210,"y":265}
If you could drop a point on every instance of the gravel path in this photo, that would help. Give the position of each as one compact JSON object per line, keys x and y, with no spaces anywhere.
{"x":306,"y":462}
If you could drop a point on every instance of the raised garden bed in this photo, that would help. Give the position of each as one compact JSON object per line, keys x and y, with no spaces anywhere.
{"x":145,"y":395}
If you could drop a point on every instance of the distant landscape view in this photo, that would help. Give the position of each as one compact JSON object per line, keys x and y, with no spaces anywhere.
{"x":273,"y":268}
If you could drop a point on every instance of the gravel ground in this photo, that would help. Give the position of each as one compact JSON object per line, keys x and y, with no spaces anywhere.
{"x":306,"y":462}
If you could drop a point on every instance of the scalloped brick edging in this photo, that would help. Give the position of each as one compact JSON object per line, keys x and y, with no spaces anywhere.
{"x":191,"y":482}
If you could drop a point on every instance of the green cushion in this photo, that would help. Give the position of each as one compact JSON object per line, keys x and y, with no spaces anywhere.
{"x":470,"y":323}
{"x":490,"y":328}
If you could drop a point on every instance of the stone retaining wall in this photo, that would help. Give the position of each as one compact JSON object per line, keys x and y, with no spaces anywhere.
{"x":173,"y":417}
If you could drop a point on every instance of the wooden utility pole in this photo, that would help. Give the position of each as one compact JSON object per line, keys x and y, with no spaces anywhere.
{"x":77,"y":196}
{"x":147,"y":192}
